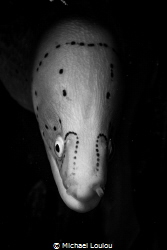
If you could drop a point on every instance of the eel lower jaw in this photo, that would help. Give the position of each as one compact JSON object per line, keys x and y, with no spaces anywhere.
{"x":79,"y":203}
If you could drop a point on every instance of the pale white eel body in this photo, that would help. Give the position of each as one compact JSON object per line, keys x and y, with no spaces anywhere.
{"x":75,"y":89}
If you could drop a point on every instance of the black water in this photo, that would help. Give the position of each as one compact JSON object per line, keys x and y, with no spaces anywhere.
{"x":33,"y":216}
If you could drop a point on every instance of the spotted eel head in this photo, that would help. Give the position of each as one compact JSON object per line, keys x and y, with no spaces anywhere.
{"x":75,"y":86}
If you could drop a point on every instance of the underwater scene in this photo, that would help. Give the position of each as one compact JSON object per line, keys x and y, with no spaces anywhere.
{"x":110,"y":101}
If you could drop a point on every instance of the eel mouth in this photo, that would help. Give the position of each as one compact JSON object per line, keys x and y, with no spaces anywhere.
{"x":78,"y":197}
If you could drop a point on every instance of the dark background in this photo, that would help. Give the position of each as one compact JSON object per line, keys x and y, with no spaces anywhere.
{"x":33,"y":215}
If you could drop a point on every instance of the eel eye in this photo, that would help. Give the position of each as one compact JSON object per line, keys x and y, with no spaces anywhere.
{"x":59,"y":146}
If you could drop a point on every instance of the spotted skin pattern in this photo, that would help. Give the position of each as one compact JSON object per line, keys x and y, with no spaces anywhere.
{"x":80,"y":44}
{"x":75,"y":85}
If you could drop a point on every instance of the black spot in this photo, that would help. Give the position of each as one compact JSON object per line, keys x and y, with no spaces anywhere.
{"x":111,"y":65}
{"x":61,"y":71}
{"x":60,"y":121}
{"x":70,"y":132}
{"x":91,"y":44}
{"x":54,"y":128}
{"x":37,"y":108}
{"x":58,"y":46}
{"x":105,"y":45}
{"x":75,"y":157}
{"x":81,"y":44}
{"x":98,"y":155}
{"x":112,"y":74}
{"x":100,"y":44}
{"x":37,"y":69}
{"x":46,"y":55}
{"x":97,"y":150}
{"x":36,"y":93}
{"x":40,"y":63}
{"x":77,"y":142}
{"x":64,"y":92}
{"x":46,"y":126}
{"x":103,"y":136}
{"x":98,"y":159}
{"x":96,"y":145}
{"x":76,"y":146}
{"x":108,"y":95}
{"x":73,"y":43}
{"x":75,"y":151}
{"x":97,"y":164}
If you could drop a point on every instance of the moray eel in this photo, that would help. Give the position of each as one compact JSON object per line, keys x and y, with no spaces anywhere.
{"x":75,"y":87}
{"x":75,"y":84}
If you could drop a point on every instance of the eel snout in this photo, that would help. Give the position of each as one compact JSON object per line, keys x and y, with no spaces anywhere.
{"x":85,"y":193}
{"x":81,"y":189}
{"x":83,"y":174}
{"x":83,"y":200}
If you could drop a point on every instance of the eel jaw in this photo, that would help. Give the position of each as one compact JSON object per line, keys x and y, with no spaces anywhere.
{"x":69,"y":194}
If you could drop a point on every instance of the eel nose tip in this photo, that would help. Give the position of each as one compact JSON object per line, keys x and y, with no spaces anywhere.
{"x":85,"y":194}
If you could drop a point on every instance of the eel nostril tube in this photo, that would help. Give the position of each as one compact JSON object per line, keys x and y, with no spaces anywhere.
{"x":85,"y":193}
{"x":99,"y":191}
